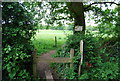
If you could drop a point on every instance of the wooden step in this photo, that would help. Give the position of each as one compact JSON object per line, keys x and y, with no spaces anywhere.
{"x":48,"y":75}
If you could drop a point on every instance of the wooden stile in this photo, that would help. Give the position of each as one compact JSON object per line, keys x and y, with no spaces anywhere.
{"x":51,"y":60}
{"x":57,"y":60}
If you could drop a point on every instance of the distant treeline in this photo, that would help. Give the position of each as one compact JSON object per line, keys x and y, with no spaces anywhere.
{"x":70,"y":27}
{"x":56,"y":27}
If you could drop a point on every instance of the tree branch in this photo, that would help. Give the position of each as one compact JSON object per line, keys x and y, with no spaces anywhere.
{"x":99,"y":3}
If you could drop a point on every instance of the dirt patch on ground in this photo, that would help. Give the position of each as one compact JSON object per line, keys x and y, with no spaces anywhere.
{"x":42,"y":66}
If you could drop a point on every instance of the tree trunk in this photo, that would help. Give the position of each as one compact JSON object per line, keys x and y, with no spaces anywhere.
{"x":77,"y":11}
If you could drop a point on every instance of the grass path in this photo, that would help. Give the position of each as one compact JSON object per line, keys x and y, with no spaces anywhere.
{"x":45,"y":40}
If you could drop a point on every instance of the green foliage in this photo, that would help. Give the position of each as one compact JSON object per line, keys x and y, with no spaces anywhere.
{"x":74,"y":42}
{"x":69,"y":73}
{"x":118,"y":21}
{"x":107,"y":20}
{"x":97,"y":61}
{"x":64,"y":71}
{"x":18,"y":28}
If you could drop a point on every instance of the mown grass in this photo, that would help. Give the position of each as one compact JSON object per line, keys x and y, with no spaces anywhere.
{"x":45,"y":39}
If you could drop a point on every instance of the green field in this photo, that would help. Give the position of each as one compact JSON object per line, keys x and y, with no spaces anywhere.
{"x":45,"y":39}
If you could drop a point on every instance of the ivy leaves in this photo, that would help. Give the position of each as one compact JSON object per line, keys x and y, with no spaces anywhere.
{"x":18,"y":28}
{"x":96,"y":63}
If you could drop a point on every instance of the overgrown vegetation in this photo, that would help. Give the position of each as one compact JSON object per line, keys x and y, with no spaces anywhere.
{"x":101,"y":56}
{"x":20,"y":21}
{"x":97,"y":61}
{"x":18,"y":28}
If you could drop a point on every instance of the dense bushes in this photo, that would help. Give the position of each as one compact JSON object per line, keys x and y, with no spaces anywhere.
{"x":18,"y":28}
{"x":97,"y":61}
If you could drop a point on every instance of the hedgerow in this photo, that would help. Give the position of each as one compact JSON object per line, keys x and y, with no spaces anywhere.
{"x":98,"y":63}
{"x":18,"y":28}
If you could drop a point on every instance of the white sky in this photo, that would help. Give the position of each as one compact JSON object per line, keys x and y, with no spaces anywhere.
{"x":88,"y":15}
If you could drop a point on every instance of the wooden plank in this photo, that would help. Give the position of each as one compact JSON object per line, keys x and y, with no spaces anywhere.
{"x":48,"y":75}
{"x":71,"y":53}
{"x":81,"y":50}
{"x":55,"y":60}
{"x":81,"y":60}
{"x":34,"y":64}
{"x":71,"y":56}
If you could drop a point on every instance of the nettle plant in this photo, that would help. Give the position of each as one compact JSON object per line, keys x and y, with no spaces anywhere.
{"x":96,"y":63}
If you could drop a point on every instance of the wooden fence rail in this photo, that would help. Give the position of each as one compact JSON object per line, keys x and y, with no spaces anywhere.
{"x":57,"y":60}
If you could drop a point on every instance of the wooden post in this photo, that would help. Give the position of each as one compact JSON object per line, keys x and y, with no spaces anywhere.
{"x":55,"y":41}
{"x":81,"y":60}
{"x":71,"y":56}
{"x":81,"y":50}
{"x":34,"y":64}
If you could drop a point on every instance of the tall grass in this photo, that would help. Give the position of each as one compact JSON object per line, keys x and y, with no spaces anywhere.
{"x":45,"y":39}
